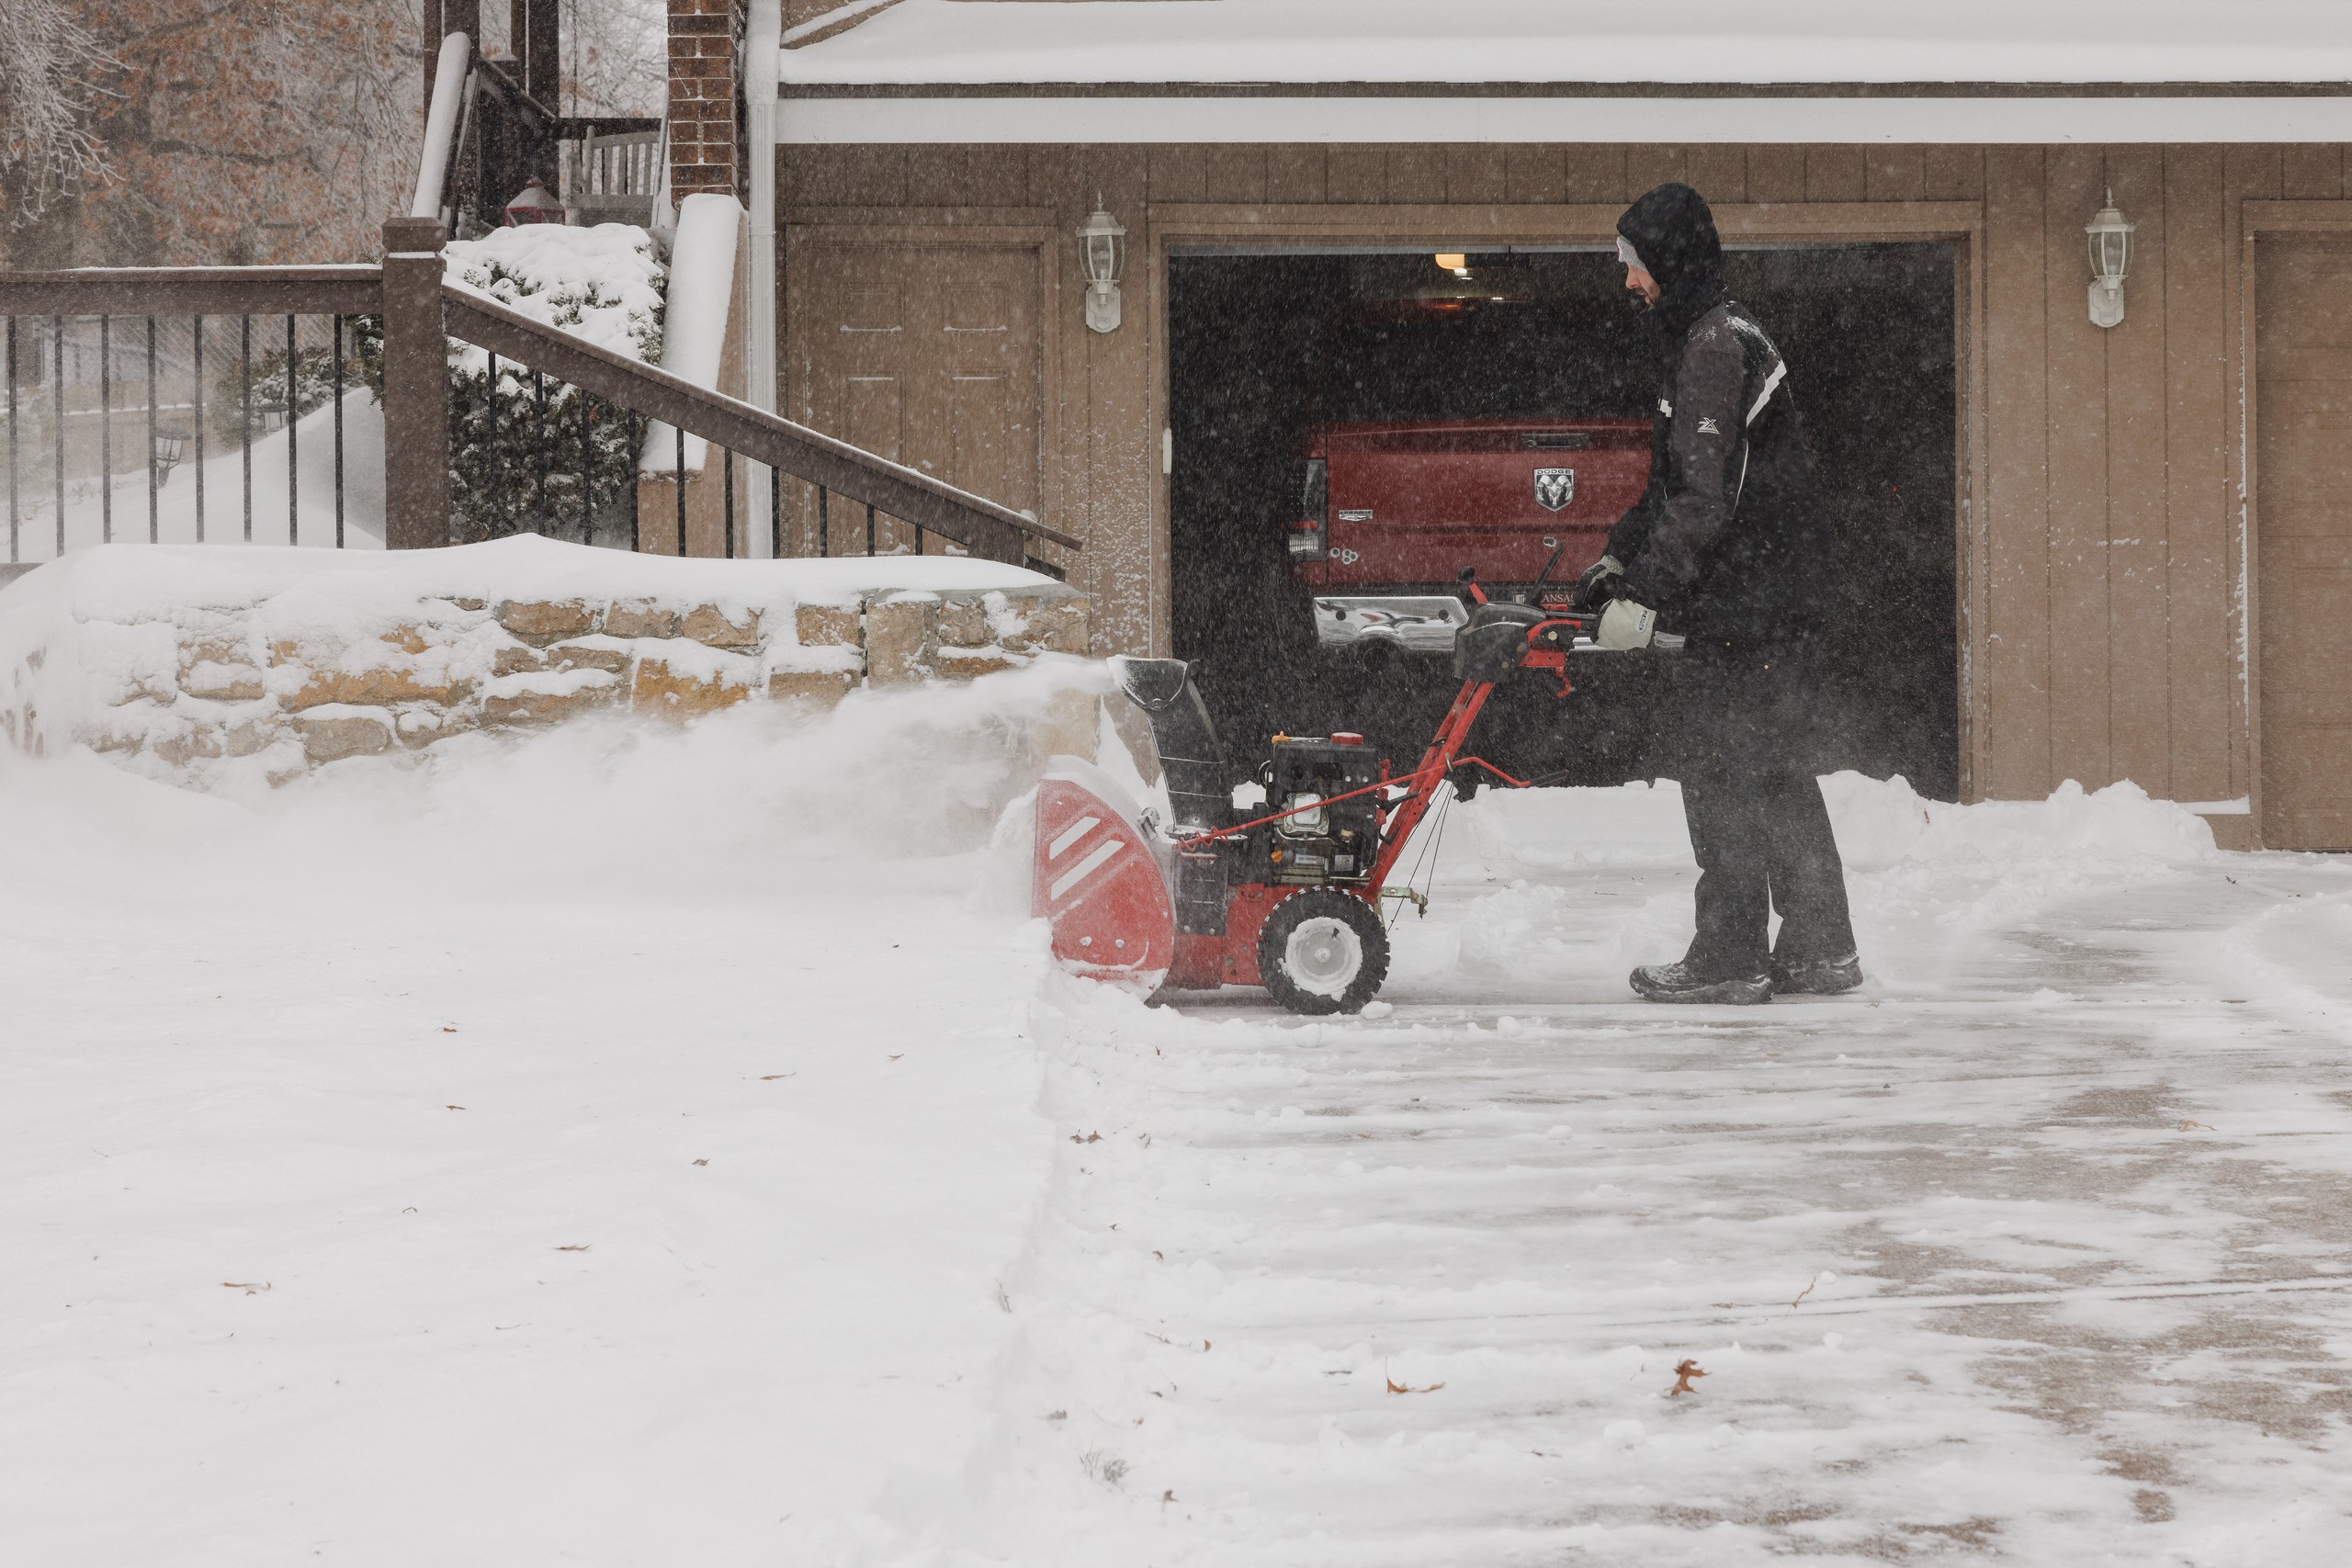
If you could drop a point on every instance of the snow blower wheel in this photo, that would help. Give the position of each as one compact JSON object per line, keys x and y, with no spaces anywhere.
{"x":1323,"y":951}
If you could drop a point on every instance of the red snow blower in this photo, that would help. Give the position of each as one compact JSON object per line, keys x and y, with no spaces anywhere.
{"x":1290,"y":899}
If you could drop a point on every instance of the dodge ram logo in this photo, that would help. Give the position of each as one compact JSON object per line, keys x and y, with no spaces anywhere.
{"x":1555,"y":487}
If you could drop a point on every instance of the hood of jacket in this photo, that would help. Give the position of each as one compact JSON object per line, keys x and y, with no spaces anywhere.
{"x":1674,"y":232}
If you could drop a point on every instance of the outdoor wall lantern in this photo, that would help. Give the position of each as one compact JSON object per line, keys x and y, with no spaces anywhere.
{"x":168,"y":446}
{"x":2110,"y":239}
{"x":533,"y":205}
{"x":1102,"y":247}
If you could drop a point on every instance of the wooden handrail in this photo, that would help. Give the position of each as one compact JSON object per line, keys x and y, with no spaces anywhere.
{"x":980,"y":526}
{"x":350,"y":290}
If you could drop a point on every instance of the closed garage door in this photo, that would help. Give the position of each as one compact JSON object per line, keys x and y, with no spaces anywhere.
{"x":2303,"y":316}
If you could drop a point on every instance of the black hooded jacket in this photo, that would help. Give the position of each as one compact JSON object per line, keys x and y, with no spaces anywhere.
{"x":1724,"y":542}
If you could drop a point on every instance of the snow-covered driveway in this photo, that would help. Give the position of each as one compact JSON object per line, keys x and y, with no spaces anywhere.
{"x":2034,"y":1251}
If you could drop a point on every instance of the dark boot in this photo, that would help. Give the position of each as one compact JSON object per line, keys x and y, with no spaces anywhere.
{"x":1680,"y":983}
{"x":1825,"y":977}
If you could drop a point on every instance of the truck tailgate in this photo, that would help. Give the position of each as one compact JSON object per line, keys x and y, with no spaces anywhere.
{"x":1416,"y":506}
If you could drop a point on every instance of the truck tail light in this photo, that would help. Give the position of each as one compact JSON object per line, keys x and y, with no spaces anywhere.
{"x":1310,"y":535}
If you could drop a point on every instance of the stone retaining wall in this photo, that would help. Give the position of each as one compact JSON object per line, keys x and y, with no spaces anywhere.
{"x":294,"y":677}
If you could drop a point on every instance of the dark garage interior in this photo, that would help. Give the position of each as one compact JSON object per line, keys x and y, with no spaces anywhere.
{"x":1868,"y":332}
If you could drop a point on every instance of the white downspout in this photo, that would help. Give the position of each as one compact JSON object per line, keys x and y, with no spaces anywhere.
{"x":762,"y":41}
{"x":456,"y":60}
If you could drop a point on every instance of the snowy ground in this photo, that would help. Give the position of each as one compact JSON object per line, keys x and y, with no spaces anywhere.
{"x":2033,"y":1251}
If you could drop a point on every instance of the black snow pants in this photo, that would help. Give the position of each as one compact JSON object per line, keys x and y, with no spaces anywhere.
{"x":1743,"y":750}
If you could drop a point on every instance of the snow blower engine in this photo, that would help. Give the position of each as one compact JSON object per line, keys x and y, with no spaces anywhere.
{"x":1286,"y":892}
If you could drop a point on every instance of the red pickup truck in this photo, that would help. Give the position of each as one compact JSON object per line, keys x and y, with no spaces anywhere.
{"x":1497,"y":473}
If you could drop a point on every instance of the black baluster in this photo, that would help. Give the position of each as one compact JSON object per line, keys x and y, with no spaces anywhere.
{"x":539,"y":388}
{"x":727,"y":475}
{"x":636,"y":501}
{"x":776,"y":514}
{"x":337,"y":383}
{"x":869,"y":528}
{"x":155,"y":527}
{"x":56,"y":402}
{"x":197,"y":424}
{"x":15,"y":523}
{"x":824,"y":545}
{"x":682,"y":487}
{"x":245,"y":415}
{"x":293,"y":409}
{"x":490,"y":444}
{"x":587,"y":470}
{"x":106,"y":429}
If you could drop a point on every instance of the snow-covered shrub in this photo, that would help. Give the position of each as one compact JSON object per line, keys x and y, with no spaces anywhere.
{"x":521,"y":452}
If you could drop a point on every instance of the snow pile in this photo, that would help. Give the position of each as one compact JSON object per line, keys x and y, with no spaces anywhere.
{"x":1880,"y":823}
{"x":1567,"y":889}
{"x":1886,"y":823}
{"x":616,"y":1134}
{"x":602,"y":284}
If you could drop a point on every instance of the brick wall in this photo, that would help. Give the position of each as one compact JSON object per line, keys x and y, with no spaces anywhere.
{"x":705,"y":50}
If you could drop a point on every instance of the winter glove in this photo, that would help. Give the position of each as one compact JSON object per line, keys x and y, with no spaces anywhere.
{"x":1625,"y":625}
{"x":1593,"y":589}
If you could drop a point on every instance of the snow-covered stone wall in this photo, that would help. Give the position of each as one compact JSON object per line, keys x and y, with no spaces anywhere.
{"x":209,"y":665}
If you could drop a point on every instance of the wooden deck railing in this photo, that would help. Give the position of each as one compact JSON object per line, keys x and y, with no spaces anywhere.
{"x":313,"y":318}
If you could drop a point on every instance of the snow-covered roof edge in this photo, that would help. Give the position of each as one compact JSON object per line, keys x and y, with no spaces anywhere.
{"x":1734,"y":44}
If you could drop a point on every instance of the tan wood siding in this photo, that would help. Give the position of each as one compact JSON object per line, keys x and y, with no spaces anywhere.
{"x":1776,"y":173}
{"x":2248,"y":173}
{"x":926,"y":354}
{"x":2303,"y":333}
{"x":1834,"y":174}
{"x":2109,"y":632}
{"x":1718,"y":173}
{"x":1475,"y":172}
{"x":2199,"y":659}
{"x":2076,"y":358}
{"x":2138,"y":622}
{"x":2013,"y":702}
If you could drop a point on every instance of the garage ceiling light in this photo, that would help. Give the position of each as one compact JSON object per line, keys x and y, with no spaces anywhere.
{"x":1454,"y":262}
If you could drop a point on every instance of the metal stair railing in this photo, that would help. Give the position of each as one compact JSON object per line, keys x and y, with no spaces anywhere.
{"x":836,"y":468}
{"x":240,"y":352}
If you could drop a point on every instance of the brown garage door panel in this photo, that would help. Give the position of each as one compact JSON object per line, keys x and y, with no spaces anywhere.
{"x":2300,"y":766}
{"x":2303,"y":378}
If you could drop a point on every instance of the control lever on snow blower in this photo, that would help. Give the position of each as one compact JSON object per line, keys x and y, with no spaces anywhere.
{"x":1536,"y":588}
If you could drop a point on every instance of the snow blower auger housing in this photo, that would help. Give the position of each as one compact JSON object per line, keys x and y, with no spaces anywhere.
{"x":1288,"y":894}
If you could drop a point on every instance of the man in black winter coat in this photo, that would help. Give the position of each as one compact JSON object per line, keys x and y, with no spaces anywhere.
{"x":1724,"y":551}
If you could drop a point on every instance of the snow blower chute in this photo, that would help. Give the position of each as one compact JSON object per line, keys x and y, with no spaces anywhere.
{"x":1289,"y":899}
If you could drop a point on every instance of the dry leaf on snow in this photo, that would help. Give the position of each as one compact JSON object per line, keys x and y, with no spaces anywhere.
{"x":1684,"y":1372}
{"x":1396,"y":1387}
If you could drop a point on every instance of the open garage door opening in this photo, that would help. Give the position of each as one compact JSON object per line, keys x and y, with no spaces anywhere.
{"x":1352,"y":428}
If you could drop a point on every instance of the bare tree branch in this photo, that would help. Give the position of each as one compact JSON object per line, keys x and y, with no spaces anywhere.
{"x":50,"y":80}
